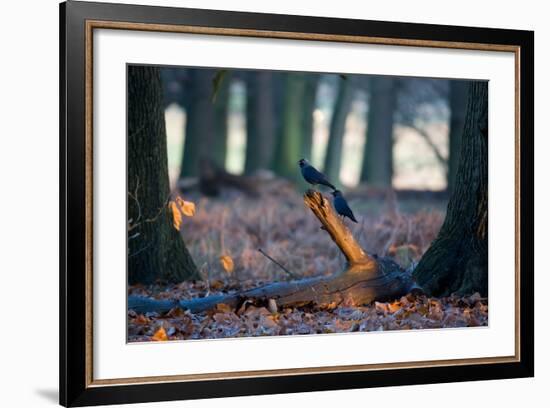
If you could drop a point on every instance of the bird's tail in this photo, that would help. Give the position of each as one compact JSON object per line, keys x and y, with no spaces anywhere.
{"x":328,"y":184}
{"x":352,"y":217}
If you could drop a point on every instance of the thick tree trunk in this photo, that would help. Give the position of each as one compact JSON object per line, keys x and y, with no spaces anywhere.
{"x":456,"y":262}
{"x":365,"y":279}
{"x":199,"y":127}
{"x":155,"y":249}
{"x":206,"y":124}
{"x":221,"y":105}
{"x":260,"y":121}
{"x":458,"y":101}
{"x":377,"y":169}
{"x":333,"y":158}
{"x":289,"y":146}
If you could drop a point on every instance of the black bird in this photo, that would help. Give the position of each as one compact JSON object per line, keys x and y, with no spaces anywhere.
{"x":341,"y":205}
{"x":312,"y":175}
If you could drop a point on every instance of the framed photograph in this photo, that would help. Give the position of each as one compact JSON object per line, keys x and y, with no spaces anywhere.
{"x":256,"y":204}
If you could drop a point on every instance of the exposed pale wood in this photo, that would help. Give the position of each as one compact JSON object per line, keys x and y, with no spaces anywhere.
{"x":340,"y":234}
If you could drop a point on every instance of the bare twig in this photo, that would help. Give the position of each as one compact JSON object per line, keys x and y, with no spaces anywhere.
{"x":293,"y":276}
{"x":134,"y":196}
{"x":133,"y":224}
{"x":140,"y":251}
{"x":439,"y":156}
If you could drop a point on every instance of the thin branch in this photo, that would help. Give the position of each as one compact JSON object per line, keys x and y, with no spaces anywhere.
{"x":293,"y":276}
{"x":442,"y":160}
{"x":140,"y":251}
{"x":134,"y":224}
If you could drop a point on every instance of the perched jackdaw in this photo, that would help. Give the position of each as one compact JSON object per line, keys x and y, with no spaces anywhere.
{"x":341,"y":205}
{"x":312,"y":175}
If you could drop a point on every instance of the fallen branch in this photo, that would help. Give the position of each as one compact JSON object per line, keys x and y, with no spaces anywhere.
{"x":366,"y":279}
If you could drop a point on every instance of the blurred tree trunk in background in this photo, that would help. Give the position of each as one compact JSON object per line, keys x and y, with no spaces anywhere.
{"x":260,"y":121}
{"x":279,"y":79}
{"x":221,"y":108}
{"x":342,"y":106}
{"x":199,"y":127}
{"x":377,"y":168}
{"x":155,"y":248}
{"x":456,"y":262}
{"x":458,"y":100}
{"x":310,"y":96}
{"x":289,"y":146}
{"x":206,"y":121}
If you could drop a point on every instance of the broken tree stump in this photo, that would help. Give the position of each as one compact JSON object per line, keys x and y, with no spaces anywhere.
{"x":366,"y":278}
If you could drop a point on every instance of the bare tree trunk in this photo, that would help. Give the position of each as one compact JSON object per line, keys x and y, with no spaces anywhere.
{"x":333,"y":158}
{"x":221,"y":107}
{"x":260,"y":121}
{"x":458,"y":103}
{"x":456,"y":262}
{"x":200,"y":131}
{"x":289,"y":147}
{"x":155,"y":249}
{"x":377,"y":169}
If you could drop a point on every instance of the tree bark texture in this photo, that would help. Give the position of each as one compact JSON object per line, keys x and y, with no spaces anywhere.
{"x":456,"y":262}
{"x":155,"y":248}
{"x":458,"y":101}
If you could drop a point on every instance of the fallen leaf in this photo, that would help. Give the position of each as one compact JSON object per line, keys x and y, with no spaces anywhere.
{"x":223,"y":308}
{"x":272,"y":305}
{"x":394,"y":307}
{"x":141,"y":319}
{"x":227,"y":264}
{"x":160,"y":335}
{"x":216,"y":284}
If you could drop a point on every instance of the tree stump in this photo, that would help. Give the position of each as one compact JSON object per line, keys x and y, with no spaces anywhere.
{"x":366,"y":278}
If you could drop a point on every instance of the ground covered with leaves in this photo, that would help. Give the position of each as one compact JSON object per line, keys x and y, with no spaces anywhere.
{"x":230,"y":236}
{"x":414,"y":311}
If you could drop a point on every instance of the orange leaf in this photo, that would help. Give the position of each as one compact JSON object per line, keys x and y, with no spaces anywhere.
{"x":180,"y":208}
{"x":227,"y":263}
{"x":394,"y":307}
{"x":223,"y":308}
{"x":187,"y":208}
{"x":160,"y":335}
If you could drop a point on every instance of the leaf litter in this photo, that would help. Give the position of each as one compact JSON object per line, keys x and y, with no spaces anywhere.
{"x":277,"y":224}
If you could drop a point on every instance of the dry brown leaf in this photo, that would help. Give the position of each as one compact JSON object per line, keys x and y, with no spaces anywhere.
{"x":180,"y":208}
{"x":216,"y":284}
{"x":160,"y":335}
{"x":141,"y":319}
{"x":394,"y":307}
{"x":227,"y":264}
{"x":176,"y":215}
{"x":223,"y":308}
{"x":187,"y":207}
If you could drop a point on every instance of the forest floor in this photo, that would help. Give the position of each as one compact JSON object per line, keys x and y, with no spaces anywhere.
{"x":224,"y":237}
